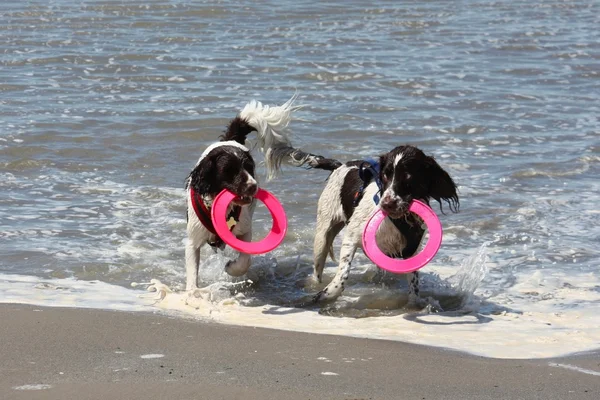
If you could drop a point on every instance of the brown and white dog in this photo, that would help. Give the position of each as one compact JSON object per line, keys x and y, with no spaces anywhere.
{"x":352,"y":195}
{"x":228,"y":164}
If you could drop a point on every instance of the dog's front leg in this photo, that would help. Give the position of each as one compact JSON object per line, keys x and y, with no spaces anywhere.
{"x":413,"y":287}
{"x":240,"y":266}
{"x":192,"y":262}
{"x":337,"y":285}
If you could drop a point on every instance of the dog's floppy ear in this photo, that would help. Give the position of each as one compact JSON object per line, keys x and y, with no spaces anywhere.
{"x":203,"y":177}
{"x":441,"y":185}
{"x":383,"y":160}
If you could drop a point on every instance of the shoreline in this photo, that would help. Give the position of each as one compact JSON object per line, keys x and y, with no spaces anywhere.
{"x":510,"y":334}
{"x":91,"y":354}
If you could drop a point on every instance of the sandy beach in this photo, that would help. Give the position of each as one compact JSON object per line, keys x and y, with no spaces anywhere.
{"x":107,"y":107}
{"x":63,"y":353}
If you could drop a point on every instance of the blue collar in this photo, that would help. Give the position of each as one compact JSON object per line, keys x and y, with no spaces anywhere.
{"x":369,"y":170}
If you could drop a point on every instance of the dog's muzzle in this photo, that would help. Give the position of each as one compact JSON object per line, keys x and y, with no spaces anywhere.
{"x":394,"y":207}
{"x":247,"y":195}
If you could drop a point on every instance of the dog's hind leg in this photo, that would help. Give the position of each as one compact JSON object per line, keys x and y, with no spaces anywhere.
{"x":327,"y":230}
{"x":337,"y":285}
{"x":330,"y":221}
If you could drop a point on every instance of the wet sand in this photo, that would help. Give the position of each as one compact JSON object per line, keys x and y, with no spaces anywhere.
{"x":60,"y":353}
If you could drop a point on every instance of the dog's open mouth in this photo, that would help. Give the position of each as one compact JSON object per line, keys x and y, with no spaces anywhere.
{"x":243,"y":200}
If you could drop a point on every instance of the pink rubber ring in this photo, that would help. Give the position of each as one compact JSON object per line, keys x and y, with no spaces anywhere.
{"x":403,"y":266}
{"x":271,"y":241}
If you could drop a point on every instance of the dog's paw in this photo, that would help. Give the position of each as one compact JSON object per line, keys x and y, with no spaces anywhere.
{"x":311,"y":284}
{"x":196,"y":293}
{"x":316,"y":278}
{"x":195,"y":298}
{"x":428,"y":305}
{"x":319,"y":297}
{"x":236,"y":268}
{"x":326,"y":295}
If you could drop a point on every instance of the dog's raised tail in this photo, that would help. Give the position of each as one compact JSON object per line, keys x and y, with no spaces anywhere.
{"x":270,"y":123}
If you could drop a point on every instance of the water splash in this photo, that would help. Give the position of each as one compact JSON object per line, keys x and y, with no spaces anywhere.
{"x":470,"y":275}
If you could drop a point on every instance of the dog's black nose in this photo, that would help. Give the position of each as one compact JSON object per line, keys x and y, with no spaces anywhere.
{"x":394,"y":207}
{"x":388,"y":203}
{"x":252,"y":189}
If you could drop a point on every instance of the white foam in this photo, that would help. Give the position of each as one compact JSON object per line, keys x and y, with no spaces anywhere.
{"x":32,"y":387}
{"x":575,"y":368}
{"x":151,"y":356}
{"x":537,"y":332}
{"x":68,"y":293}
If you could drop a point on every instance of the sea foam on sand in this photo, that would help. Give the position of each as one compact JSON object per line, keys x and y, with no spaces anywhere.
{"x":537,"y":333}
{"x":534,"y":334}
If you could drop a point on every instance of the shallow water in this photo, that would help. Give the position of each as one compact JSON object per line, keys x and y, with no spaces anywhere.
{"x":106,"y":107}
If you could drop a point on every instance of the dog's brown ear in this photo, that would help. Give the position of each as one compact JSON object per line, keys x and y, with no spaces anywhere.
{"x":442,"y":186}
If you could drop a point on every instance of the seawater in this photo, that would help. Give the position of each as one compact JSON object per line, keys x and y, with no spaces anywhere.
{"x":106,"y":107}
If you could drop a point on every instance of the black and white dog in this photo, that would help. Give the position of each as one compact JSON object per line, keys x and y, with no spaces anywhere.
{"x":352,"y":195}
{"x":228,"y":164}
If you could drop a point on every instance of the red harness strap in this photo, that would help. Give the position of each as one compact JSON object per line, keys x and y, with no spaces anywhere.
{"x":203,"y":214}
{"x":201,"y":211}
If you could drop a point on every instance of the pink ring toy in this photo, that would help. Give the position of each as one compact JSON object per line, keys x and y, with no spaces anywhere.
{"x":403,"y":266}
{"x":271,"y":241}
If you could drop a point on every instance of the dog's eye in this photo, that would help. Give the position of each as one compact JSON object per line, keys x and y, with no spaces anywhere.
{"x":229,"y":170}
{"x":249,"y":167}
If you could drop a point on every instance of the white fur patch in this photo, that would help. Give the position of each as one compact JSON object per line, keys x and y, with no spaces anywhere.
{"x":251,"y":179}
{"x":389,"y":194}
{"x":219,"y":144}
{"x":270,"y":123}
{"x":330,"y":201}
{"x":397,"y":159}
